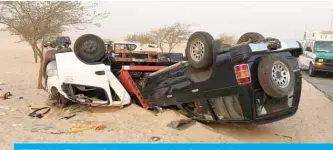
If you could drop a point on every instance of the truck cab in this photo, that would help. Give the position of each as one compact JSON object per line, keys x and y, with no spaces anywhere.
{"x":318,"y":52}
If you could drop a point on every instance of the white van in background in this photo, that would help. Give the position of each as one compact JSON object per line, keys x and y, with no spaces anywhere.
{"x":122,"y":45}
{"x":127,"y":46}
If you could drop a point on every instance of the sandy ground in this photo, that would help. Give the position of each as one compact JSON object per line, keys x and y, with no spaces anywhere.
{"x":312,"y":123}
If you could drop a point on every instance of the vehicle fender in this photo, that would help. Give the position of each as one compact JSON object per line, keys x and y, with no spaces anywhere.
{"x":53,"y":82}
{"x":312,"y":58}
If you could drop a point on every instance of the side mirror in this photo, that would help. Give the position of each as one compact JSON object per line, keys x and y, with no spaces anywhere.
{"x":308,"y":49}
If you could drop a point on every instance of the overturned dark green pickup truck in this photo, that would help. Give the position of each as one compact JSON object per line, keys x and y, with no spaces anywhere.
{"x":256,"y":81}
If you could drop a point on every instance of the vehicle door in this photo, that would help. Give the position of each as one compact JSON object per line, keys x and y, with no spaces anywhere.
{"x":305,"y":57}
{"x":302,"y":58}
{"x":310,"y":53}
{"x":180,"y":83}
{"x":157,"y":87}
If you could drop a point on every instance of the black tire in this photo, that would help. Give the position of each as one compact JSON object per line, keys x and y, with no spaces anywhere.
{"x":273,"y":86}
{"x":312,"y":72}
{"x":206,"y":59}
{"x":53,"y":45}
{"x":252,"y":37}
{"x":89,"y":48}
{"x":273,"y":43}
{"x":66,"y":45}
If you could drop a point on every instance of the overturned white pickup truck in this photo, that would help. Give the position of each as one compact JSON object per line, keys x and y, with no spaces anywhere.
{"x":70,"y":79}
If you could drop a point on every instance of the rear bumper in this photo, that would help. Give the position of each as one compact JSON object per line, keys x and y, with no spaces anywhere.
{"x":274,"y":117}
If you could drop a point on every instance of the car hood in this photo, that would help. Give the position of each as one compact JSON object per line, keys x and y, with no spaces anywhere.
{"x":324,"y":55}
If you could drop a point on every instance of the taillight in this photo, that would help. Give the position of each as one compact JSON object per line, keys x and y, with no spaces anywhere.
{"x":242,"y":74}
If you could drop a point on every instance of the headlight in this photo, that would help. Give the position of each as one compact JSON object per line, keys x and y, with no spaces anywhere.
{"x":320,"y":60}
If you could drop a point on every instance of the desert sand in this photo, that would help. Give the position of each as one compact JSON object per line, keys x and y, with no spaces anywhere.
{"x":18,"y":74}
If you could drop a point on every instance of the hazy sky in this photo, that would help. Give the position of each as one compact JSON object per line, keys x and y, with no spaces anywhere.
{"x":282,"y":19}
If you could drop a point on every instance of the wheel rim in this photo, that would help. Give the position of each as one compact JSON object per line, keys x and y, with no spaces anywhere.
{"x":90,"y":46}
{"x":280,"y":74}
{"x":197,"y":50}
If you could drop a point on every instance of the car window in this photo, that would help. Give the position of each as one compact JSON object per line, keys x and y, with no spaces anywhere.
{"x":323,"y":47}
{"x":131,"y":46}
{"x":125,"y":47}
{"x":120,"y":47}
{"x":304,"y":44}
{"x":307,"y":44}
{"x":310,"y":44}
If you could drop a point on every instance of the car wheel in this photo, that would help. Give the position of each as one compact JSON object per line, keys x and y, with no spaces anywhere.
{"x":252,"y":37}
{"x":276,"y":76}
{"x":66,"y":45}
{"x":199,"y":50}
{"x":53,"y":45}
{"x":89,"y":48}
{"x":312,"y":73}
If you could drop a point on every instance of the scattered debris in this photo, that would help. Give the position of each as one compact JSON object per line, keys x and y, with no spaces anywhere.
{"x":45,"y":129}
{"x":2,"y":114}
{"x":2,"y":83}
{"x":285,"y":136}
{"x":181,"y":124}
{"x":157,"y":110}
{"x":155,"y":138}
{"x":80,"y":129}
{"x":6,"y":95}
{"x":68,"y":117}
{"x":39,"y":127}
{"x":39,"y":115}
{"x":21,"y":97}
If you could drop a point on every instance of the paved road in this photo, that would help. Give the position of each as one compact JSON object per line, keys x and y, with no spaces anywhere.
{"x":322,"y":82}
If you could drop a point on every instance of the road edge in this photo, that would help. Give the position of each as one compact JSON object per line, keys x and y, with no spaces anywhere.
{"x":326,"y":95}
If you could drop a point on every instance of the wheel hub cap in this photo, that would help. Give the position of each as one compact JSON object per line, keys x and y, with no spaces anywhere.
{"x":280,"y":74}
{"x":89,"y":46}
{"x":197,"y":50}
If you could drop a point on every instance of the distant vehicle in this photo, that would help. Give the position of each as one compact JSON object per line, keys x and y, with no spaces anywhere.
{"x":112,"y":46}
{"x":63,"y":41}
{"x":318,"y":52}
{"x":150,"y":45}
